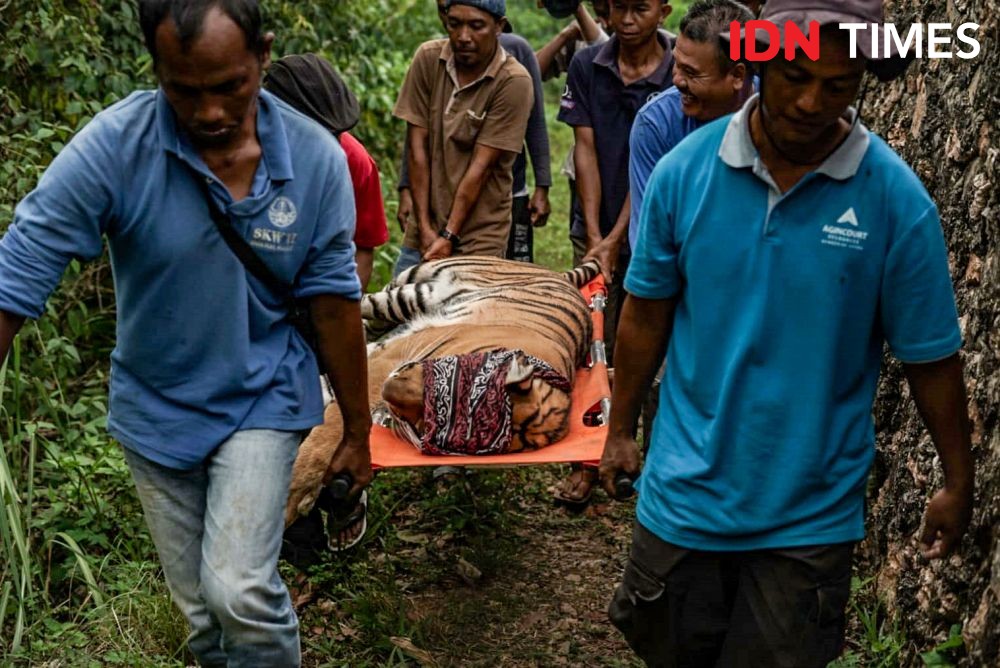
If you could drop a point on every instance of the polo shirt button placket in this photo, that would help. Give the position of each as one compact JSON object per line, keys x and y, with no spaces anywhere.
{"x":771,"y":224}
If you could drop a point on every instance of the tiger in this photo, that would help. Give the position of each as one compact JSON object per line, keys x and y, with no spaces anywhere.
{"x":446,"y":312}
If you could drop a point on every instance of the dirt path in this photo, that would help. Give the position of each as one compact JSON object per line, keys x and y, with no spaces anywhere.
{"x":485,"y":572}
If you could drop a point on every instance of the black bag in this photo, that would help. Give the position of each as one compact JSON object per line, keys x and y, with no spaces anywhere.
{"x":298,"y":309}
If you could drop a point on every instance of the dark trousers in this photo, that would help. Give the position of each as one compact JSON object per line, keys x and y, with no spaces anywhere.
{"x":682,"y":608}
{"x":521,"y":242}
{"x":616,"y":295}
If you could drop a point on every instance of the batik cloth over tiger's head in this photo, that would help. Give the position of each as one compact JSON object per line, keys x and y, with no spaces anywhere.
{"x":467,"y":408}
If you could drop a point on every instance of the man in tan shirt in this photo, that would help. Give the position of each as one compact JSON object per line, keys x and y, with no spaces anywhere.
{"x":466,"y":103}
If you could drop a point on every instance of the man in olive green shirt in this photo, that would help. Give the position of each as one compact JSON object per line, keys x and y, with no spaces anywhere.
{"x":466,"y":103}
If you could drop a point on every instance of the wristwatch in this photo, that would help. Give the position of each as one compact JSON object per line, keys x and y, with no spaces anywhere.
{"x":450,"y":236}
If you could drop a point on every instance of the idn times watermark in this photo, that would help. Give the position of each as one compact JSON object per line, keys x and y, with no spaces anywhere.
{"x":918,"y":40}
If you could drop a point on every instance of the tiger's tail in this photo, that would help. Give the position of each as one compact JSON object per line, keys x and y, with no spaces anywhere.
{"x":583,"y":274}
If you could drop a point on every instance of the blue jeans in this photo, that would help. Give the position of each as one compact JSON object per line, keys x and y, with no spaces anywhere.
{"x":217,"y":529}
{"x":408,"y":257}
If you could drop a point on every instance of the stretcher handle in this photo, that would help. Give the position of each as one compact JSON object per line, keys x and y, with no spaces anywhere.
{"x":340,"y":485}
{"x":624,"y":486}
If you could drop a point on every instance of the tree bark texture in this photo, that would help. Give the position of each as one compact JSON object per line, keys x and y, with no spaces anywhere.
{"x":942,"y":117}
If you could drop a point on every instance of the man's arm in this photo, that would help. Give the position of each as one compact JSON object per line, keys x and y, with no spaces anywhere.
{"x":537,"y":140}
{"x":546,"y":55}
{"x":10,"y":324}
{"x":404,"y":208}
{"x":341,"y":341}
{"x":643,"y":333}
{"x":365,"y":259}
{"x":419,"y":164}
{"x":588,"y":184}
{"x":589,"y":29}
{"x":938,"y":390}
{"x":483,"y":159}
{"x":606,"y":251}
{"x":413,"y":106}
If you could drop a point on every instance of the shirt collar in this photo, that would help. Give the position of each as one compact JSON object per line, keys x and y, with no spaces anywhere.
{"x":270,"y":133}
{"x":607,"y":56}
{"x":499,"y":58}
{"x":739,"y":152}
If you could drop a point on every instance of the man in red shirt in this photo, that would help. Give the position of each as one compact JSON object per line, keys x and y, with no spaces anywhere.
{"x":311,"y":85}
{"x":370,"y":231}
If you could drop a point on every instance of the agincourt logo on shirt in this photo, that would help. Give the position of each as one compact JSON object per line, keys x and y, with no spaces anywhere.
{"x":282,"y":212}
{"x":842,"y":235}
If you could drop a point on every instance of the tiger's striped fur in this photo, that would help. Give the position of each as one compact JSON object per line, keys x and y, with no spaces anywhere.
{"x":454,"y":307}
{"x":481,"y":291}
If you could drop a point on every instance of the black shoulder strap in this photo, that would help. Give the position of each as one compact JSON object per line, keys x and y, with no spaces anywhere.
{"x":241,"y":249}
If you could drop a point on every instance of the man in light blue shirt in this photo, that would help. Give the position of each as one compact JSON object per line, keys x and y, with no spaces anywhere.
{"x":211,"y":387}
{"x":779,"y":250}
{"x":707,"y":85}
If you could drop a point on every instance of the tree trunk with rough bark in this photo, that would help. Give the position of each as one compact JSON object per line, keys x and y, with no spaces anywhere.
{"x":942,"y":117}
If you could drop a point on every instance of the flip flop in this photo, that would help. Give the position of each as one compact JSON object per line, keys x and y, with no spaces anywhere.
{"x":336,"y":522}
{"x":572,"y":503}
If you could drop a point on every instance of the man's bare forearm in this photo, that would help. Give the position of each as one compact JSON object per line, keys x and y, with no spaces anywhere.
{"x":342,"y":346}
{"x":10,"y":325}
{"x":643,"y":333}
{"x":588,"y":26}
{"x":938,"y":390}
{"x":588,"y":181}
{"x":547,"y":54}
{"x":471,"y":185}
{"x":418,"y":163}
{"x":365,"y":259}
{"x":620,"y":231}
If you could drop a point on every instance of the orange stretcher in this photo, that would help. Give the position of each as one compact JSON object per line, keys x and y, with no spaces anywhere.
{"x":588,"y":419}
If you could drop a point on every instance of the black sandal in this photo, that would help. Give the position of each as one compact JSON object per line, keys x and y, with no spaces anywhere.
{"x":342,"y":517}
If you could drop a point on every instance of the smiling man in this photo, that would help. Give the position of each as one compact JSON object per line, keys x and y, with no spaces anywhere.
{"x":779,"y":250}
{"x":707,"y":85}
{"x":212,"y":387}
{"x":466,"y":103}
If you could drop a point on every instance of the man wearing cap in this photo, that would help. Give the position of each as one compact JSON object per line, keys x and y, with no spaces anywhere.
{"x":606,"y":86}
{"x":312,"y":85}
{"x":526,"y":212}
{"x":779,"y":249}
{"x":466,"y":103}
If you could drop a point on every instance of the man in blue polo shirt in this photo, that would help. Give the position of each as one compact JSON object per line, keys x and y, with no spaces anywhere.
{"x":606,"y":85}
{"x":211,"y":387}
{"x":779,"y":249}
{"x":707,"y":85}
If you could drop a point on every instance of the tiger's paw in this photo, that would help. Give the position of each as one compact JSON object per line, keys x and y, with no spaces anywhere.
{"x":519,"y":374}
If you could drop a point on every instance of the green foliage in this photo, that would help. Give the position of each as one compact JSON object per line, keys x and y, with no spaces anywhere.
{"x":878,"y":640}
{"x":74,"y":552}
{"x":946,"y":654}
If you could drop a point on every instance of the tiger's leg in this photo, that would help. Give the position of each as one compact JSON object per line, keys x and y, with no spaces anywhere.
{"x":403,"y":391}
